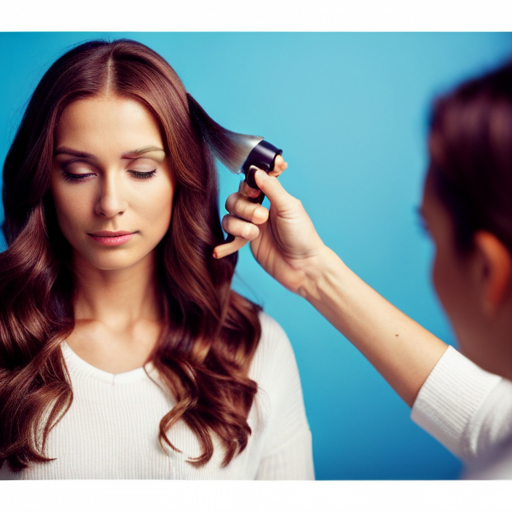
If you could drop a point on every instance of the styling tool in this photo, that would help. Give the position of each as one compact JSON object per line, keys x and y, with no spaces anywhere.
{"x":261,"y":156}
{"x":238,"y":152}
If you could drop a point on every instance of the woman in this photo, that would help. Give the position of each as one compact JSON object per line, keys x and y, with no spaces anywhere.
{"x":123,"y":351}
{"x":466,"y":403}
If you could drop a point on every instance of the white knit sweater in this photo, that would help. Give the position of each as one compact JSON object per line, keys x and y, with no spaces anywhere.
{"x":111,"y":428}
{"x":470,"y":412}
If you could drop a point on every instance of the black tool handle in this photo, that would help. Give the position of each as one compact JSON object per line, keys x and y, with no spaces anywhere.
{"x":263,"y":156}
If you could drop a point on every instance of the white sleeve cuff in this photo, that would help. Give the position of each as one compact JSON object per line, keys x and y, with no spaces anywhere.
{"x":448,"y":399}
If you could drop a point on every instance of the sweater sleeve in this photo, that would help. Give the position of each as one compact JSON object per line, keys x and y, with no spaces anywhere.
{"x":464,"y":407}
{"x":287,"y":451}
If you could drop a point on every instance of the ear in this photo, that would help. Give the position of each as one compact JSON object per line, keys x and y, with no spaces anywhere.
{"x":494,"y":268}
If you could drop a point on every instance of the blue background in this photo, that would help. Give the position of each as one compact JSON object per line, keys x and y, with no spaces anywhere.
{"x":350,"y":111}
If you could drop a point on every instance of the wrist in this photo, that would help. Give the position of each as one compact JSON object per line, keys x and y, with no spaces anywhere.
{"x":324,"y":267}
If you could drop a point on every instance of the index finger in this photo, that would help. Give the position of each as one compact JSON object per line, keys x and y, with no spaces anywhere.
{"x":246,"y":190}
{"x":229,"y":248}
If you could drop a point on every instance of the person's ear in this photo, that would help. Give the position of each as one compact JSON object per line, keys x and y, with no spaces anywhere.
{"x":494,"y":271}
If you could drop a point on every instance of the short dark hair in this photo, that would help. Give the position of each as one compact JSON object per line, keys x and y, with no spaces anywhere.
{"x":470,"y":149}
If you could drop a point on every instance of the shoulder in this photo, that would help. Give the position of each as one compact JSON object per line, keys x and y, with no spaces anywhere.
{"x":280,"y":401}
{"x":274,"y":354}
{"x":274,"y":340}
{"x":270,"y":329}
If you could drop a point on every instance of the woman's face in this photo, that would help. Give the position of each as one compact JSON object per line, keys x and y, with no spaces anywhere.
{"x":453,"y":275}
{"x":111,"y":182}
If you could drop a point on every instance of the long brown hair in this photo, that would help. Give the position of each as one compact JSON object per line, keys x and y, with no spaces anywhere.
{"x":471,"y":156}
{"x":211,"y":332}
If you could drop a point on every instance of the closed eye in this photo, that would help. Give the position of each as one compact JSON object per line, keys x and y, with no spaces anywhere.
{"x":70,"y":176}
{"x":142,"y":175}
{"x":75,"y":177}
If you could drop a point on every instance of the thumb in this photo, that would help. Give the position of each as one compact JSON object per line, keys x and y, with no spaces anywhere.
{"x":275,"y":192}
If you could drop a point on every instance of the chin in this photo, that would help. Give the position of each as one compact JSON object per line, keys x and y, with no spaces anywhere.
{"x":115,"y":260}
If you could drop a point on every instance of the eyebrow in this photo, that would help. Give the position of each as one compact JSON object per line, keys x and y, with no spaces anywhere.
{"x":129,"y":154}
{"x":141,"y":151}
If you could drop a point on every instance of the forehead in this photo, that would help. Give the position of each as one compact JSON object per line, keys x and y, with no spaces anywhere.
{"x":107,"y":121}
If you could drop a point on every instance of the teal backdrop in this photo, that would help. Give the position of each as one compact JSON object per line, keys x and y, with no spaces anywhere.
{"x":350,"y":111}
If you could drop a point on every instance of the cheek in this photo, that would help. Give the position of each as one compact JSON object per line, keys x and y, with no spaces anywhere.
{"x":450,"y":283}
{"x":441,"y":278}
{"x":156,"y":208}
{"x":436,"y":276}
{"x":69,"y":207}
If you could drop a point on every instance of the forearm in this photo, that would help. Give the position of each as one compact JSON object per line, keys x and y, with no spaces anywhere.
{"x":402,"y":351}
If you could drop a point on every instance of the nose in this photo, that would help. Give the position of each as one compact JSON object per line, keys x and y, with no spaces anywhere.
{"x":111,"y":198}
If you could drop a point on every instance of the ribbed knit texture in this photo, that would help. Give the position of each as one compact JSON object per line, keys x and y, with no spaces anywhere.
{"x":111,"y":429}
{"x":465,"y":408}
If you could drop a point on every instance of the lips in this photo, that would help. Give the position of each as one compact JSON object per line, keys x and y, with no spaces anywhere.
{"x":111,"y":238}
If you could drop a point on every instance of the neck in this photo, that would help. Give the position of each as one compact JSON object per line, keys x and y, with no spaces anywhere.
{"x":116,"y":297}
